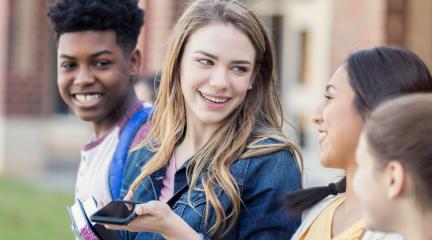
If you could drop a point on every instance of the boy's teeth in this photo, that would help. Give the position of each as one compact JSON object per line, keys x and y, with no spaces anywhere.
{"x":87,"y":97}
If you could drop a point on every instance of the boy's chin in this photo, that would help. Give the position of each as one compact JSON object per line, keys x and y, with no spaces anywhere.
{"x":88,"y":116}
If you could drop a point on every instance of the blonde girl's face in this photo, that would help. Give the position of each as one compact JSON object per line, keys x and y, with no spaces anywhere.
{"x":339,"y":123}
{"x":369,"y":183}
{"x":215,"y":73}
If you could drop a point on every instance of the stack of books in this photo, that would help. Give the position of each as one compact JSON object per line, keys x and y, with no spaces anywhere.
{"x":82,"y":227}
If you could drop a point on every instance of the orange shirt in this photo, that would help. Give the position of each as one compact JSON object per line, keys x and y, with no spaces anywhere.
{"x":322,"y":226}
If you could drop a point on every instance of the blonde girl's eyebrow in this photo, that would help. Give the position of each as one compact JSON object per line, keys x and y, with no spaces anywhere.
{"x":247,"y":62}
{"x":207,"y":54}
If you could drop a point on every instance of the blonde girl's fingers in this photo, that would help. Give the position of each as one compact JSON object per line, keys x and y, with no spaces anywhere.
{"x":149,"y":208}
{"x":114,"y":227}
{"x":128,"y":196}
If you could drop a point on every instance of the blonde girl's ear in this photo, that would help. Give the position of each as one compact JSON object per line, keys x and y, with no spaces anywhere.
{"x":396,"y":179}
{"x":134,"y":62}
{"x":253,"y":78}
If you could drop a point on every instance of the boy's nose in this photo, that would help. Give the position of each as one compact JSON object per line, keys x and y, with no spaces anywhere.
{"x":84,"y":77}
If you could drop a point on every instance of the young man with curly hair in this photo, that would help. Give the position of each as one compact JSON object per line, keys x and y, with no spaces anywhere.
{"x":97,"y":65}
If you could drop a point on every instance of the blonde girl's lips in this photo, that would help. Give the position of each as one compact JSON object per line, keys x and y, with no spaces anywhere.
{"x":212,"y":102}
{"x":214,"y":98}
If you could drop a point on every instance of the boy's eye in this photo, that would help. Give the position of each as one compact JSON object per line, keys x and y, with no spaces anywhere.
{"x":240,"y":69}
{"x":67,"y":66}
{"x":102,"y":64}
{"x":205,"y":61}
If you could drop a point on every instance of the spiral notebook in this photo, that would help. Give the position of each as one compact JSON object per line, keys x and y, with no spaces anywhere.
{"x":82,"y":227}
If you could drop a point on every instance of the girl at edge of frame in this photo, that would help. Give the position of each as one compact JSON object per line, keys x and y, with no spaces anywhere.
{"x":393,"y":179}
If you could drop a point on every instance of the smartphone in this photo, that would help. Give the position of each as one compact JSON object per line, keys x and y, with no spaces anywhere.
{"x":116,"y":212}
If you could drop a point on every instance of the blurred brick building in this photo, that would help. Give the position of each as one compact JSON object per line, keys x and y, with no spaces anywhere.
{"x":312,"y":38}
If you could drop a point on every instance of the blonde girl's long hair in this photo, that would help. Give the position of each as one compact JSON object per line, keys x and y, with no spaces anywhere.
{"x":259,"y":117}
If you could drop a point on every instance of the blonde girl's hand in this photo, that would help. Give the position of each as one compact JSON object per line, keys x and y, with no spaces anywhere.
{"x":157,"y":216}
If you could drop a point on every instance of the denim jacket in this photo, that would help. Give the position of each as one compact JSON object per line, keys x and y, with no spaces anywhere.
{"x":263,"y":181}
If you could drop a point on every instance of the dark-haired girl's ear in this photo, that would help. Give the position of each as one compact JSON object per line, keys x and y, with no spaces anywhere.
{"x":396,"y":179}
{"x":134,"y":64}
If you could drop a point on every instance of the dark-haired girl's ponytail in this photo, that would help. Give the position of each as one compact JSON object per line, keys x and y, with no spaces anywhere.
{"x":296,"y":202}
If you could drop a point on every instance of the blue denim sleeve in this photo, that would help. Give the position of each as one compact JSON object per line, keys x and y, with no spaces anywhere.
{"x":268,"y":179}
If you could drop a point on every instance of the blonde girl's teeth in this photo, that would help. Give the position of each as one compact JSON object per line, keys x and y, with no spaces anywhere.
{"x":215,"y":99}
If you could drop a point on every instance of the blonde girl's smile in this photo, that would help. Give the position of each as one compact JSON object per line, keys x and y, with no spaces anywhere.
{"x":216,"y":72}
{"x":214,"y":102}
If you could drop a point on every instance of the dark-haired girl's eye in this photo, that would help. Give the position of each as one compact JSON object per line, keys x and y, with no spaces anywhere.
{"x":327,"y":97}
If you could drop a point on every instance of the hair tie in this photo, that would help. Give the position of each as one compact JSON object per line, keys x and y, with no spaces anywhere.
{"x":332,"y":188}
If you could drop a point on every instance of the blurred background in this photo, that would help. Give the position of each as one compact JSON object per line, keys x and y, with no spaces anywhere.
{"x":40,"y":139}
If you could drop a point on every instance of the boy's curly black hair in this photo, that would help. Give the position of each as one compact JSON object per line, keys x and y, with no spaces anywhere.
{"x":124,"y":17}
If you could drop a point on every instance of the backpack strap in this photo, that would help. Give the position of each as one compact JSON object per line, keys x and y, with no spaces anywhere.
{"x":127,"y":135}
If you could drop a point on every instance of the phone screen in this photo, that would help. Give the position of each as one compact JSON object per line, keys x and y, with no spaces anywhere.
{"x":117,"y":209}
{"x":116,"y":212}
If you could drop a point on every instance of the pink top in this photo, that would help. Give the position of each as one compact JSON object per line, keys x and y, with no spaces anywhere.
{"x":167,"y":190}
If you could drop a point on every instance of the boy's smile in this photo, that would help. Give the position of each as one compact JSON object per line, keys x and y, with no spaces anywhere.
{"x":87,"y":99}
{"x":93,"y":76}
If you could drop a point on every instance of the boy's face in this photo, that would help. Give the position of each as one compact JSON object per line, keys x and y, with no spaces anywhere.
{"x":93,"y":74}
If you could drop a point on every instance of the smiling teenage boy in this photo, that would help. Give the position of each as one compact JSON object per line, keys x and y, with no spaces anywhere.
{"x":97,"y":63}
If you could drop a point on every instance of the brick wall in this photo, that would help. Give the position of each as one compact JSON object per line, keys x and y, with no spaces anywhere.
{"x":159,"y":19}
{"x":419,"y":28}
{"x":356,"y":25}
{"x":396,"y":22}
{"x":367,"y":23}
{"x":29,"y":61}
{"x":4,"y":16}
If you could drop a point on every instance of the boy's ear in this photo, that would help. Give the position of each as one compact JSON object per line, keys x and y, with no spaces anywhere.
{"x":134,"y":62}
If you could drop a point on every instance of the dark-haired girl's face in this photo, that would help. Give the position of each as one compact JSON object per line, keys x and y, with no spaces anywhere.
{"x":93,"y":75}
{"x":339,"y":123}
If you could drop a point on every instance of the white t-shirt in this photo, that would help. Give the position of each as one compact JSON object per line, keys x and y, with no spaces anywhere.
{"x":93,"y":172}
{"x":92,"y":177}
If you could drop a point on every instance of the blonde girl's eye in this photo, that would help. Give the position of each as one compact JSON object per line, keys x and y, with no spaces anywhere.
{"x":240,"y":69}
{"x":205,"y":61}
